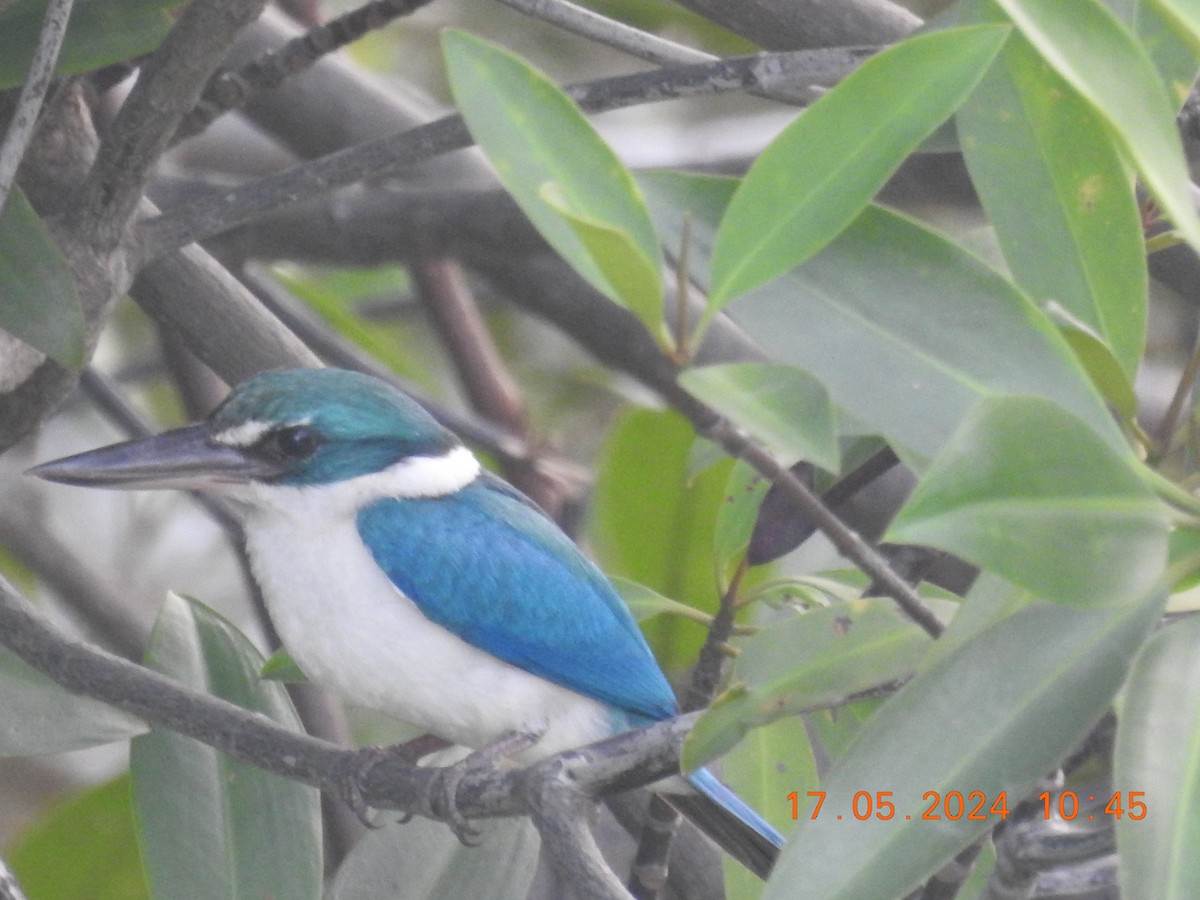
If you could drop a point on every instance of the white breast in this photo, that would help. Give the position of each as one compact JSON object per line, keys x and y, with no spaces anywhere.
{"x":352,"y":632}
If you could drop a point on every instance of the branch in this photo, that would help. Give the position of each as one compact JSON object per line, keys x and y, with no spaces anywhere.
{"x":169,"y":86}
{"x":190,"y":293}
{"x":492,"y":391}
{"x":561,"y":815}
{"x":790,"y":24}
{"x":96,"y":602}
{"x":849,"y":544}
{"x":611,"y":33}
{"x":232,"y":90}
{"x":211,"y":215}
{"x":33,"y":92}
{"x":55,"y":164}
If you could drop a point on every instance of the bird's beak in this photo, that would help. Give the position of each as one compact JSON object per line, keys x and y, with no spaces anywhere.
{"x":185,"y":458}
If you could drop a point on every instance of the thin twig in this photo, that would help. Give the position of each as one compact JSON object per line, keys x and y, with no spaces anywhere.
{"x":649,"y":872}
{"x":228,"y":91}
{"x":706,"y":676}
{"x":1183,"y":389}
{"x":561,"y":814}
{"x":447,"y":299}
{"x":217,"y":212}
{"x":611,"y":33}
{"x":33,"y":93}
{"x":492,"y":391}
{"x":641,"y":44}
{"x":849,"y":543}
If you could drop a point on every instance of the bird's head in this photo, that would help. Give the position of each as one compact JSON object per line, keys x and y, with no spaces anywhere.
{"x":300,"y":428}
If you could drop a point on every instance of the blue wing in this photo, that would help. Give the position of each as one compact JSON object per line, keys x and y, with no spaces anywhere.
{"x":486,"y":564}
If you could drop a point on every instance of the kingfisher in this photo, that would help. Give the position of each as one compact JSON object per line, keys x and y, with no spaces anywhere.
{"x":403,"y":576}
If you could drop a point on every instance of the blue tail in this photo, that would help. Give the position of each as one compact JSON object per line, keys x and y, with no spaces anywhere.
{"x":728,"y":820}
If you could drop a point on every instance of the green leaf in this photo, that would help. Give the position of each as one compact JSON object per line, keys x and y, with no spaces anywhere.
{"x":281,"y":667}
{"x":783,"y":407}
{"x":813,"y":179}
{"x":1097,"y":56}
{"x":1171,"y":47}
{"x":867,"y":317}
{"x":332,"y":294}
{"x":1027,"y":491}
{"x":958,"y":726}
{"x":1185,"y":551}
{"x":1184,"y":16}
{"x":806,"y":661}
{"x":990,"y":600}
{"x":423,"y":859}
{"x":38,"y":302}
{"x":649,"y":523}
{"x":1158,"y":753}
{"x":211,"y":827}
{"x":1100,"y":363}
{"x":534,"y":135}
{"x":893,"y":317}
{"x":39,"y":717}
{"x":83,"y":847}
{"x":635,"y":278}
{"x":772,"y":762}
{"x":834,"y":730}
{"x":1072,"y":233}
{"x":701,"y":199}
{"x":644,"y":602}
{"x":736,"y":519}
{"x":100,"y":32}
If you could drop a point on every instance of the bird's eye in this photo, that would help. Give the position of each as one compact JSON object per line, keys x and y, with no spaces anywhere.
{"x":296,"y":442}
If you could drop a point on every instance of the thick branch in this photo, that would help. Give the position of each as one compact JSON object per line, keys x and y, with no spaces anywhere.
{"x":792,"y":24}
{"x":190,"y":293}
{"x":169,"y":86}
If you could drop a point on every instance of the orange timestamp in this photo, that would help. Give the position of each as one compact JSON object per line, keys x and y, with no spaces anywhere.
{"x":973,"y":806}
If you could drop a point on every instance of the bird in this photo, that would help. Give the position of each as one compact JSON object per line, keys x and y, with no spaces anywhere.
{"x":405,"y":577}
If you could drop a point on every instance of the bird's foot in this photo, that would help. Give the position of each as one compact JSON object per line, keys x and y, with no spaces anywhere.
{"x":441,"y":798}
{"x":359,"y":763}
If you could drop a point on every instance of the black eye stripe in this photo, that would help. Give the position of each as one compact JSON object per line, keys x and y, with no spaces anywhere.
{"x":292,"y":442}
